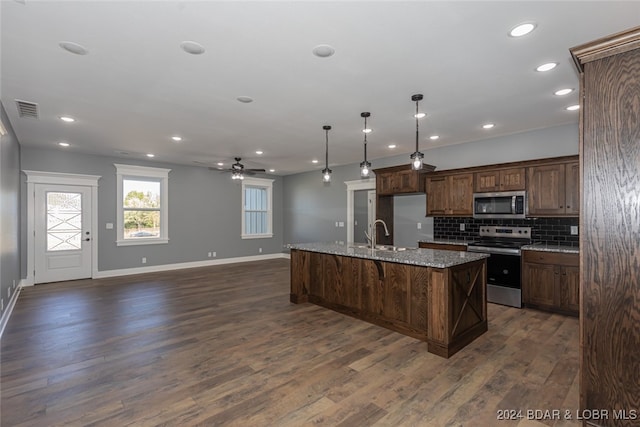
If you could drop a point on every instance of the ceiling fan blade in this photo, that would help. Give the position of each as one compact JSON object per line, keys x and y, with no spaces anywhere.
{"x":255,"y":170}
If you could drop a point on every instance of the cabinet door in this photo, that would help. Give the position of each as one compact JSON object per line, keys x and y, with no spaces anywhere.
{"x":546,"y":190}
{"x":371,"y":275}
{"x":407,"y":182}
{"x":512,"y":179}
{"x":572,"y":188}
{"x":538,"y":283}
{"x":461,"y":194}
{"x":316,"y":274}
{"x":437,"y":196}
{"x":384,"y":183}
{"x":568,"y":289}
{"x":395,"y":302}
{"x":487,"y":182}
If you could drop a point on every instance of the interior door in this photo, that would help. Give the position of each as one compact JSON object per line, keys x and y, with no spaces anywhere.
{"x":62,"y":233}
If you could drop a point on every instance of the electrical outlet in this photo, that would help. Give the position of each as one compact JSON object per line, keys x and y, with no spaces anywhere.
{"x":1,"y":304}
{"x":209,"y":254}
{"x":337,"y":224}
{"x":8,"y":293}
{"x":144,"y":260}
{"x":419,"y":226}
{"x":214,"y":255}
{"x":259,"y":250}
{"x":14,"y":283}
{"x":462,"y":226}
{"x":574,"y":230}
{"x":109,"y":226}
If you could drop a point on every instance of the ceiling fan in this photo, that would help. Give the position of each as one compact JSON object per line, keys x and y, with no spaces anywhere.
{"x":238,"y":171}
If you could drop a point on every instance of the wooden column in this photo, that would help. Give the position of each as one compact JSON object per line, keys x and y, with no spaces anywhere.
{"x":610,"y":227}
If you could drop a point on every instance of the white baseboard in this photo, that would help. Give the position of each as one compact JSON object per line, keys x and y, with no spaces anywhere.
{"x":7,"y":313}
{"x":182,"y":265}
{"x":25,"y":282}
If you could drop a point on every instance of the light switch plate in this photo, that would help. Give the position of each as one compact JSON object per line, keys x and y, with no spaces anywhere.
{"x":109,"y":226}
{"x":419,"y":226}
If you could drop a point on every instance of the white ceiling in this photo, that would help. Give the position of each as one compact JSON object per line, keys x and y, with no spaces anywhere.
{"x":136,"y":88}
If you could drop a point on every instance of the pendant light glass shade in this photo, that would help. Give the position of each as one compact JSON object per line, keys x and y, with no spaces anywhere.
{"x":326,"y":172}
{"x":365,"y":166}
{"x":417,"y":156}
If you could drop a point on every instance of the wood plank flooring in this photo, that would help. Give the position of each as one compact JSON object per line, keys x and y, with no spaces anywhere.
{"x":222,"y":345}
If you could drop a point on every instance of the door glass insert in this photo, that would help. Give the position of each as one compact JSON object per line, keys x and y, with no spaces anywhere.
{"x":64,"y":221}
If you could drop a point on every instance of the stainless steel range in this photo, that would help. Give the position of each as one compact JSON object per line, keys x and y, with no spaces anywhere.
{"x":503,"y":266}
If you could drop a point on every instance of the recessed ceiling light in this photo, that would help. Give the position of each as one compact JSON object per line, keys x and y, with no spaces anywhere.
{"x":522,"y":29}
{"x":392,"y":146}
{"x":434,"y":137}
{"x":192,"y":47}
{"x":272,"y":170}
{"x":488,"y":126}
{"x":259,"y":152}
{"x":245,"y":99}
{"x":177,"y":138}
{"x":63,"y":144}
{"x":220,"y":164}
{"x":314,"y":161}
{"x":67,"y":119}
{"x":546,"y":67}
{"x":323,"y":51}
{"x":573,"y":107}
{"x":150,"y":155}
{"x":74,"y":48}
{"x":562,"y":92}
{"x":419,"y":115}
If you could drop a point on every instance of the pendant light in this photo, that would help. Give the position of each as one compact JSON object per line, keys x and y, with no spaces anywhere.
{"x":365,"y":166}
{"x":417,"y":156}
{"x":326,"y":172}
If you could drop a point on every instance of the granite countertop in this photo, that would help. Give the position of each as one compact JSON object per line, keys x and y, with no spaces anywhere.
{"x":414,"y":256}
{"x":546,"y":247}
{"x":447,"y":241}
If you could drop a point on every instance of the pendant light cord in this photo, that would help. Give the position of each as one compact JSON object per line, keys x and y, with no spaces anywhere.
{"x":417,"y":148}
{"x":365,"y":139}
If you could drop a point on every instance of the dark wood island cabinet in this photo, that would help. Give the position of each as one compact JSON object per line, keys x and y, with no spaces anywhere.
{"x":435,"y":296}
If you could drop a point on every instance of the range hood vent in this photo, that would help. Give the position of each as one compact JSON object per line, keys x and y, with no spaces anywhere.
{"x":27,"y":109}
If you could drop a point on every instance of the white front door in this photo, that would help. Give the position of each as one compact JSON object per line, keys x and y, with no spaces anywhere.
{"x":62,"y":235}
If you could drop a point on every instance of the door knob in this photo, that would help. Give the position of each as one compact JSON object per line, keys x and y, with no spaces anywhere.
{"x":87,"y":239}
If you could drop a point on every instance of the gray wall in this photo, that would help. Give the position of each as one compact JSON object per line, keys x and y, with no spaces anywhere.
{"x":204,"y":211}
{"x":311,"y":207}
{"x":10,"y":271}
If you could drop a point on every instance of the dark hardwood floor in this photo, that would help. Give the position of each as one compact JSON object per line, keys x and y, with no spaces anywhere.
{"x":223,"y":346}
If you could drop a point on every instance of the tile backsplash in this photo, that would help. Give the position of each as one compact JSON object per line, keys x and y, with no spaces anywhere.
{"x":545,"y":230}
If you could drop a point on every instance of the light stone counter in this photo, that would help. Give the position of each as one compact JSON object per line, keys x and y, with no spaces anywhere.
{"x":545,"y":247}
{"x":412,"y":256}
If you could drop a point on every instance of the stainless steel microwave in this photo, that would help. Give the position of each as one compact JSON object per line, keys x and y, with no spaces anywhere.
{"x":506,"y":204}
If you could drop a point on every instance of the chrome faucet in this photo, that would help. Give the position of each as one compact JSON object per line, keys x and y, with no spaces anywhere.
{"x":373,"y":231}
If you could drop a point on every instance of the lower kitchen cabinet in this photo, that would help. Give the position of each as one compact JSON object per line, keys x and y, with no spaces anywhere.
{"x":551,"y":281}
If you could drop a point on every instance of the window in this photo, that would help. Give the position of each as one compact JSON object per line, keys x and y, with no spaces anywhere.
{"x":256,"y":208}
{"x":142,"y":205}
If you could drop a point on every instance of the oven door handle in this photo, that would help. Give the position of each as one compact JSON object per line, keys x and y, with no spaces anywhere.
{"x":488,"y":250}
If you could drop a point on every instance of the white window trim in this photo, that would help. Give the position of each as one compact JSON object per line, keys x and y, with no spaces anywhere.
{"x":132,"y":171}
{"x":268,"y":185}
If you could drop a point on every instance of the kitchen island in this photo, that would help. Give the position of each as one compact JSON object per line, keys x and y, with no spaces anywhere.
{"x":437,"y":296}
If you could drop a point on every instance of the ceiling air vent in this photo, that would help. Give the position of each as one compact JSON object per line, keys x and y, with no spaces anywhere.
{"x":27,"y":109}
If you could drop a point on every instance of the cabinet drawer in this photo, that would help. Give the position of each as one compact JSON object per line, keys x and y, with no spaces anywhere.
{"x":442,"y":246}
{"x":556,"y":258}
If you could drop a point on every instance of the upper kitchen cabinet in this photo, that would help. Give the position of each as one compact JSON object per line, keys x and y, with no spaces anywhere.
{"x":491,"y":181}
{"x":449,"y":195}
{"x":553,"y":189}
{"x":400,"y":180}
